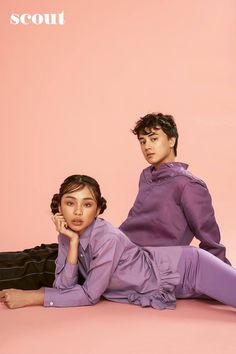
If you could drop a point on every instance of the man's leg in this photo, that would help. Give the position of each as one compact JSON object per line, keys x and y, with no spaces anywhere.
{"x":29,"y":269}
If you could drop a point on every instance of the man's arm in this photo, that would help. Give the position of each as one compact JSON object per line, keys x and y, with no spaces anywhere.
{"x":197,"y":207}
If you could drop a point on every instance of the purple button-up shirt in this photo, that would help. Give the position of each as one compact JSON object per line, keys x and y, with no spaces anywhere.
{"x":116,"y":269}
{"x":173,"y":206}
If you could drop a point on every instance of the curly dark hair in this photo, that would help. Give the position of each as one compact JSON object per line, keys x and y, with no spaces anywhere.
{"x":77,"y":182}
{"x":166,"y":122}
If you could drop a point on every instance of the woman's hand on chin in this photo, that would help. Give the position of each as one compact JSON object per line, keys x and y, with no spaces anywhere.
{"x":61,"y":227}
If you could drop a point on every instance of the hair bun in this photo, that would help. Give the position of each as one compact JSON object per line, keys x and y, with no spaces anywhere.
{"x":103,"y":205}
{"x":55,"y":203}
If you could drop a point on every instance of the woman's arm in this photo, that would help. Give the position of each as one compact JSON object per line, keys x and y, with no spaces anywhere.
{"x":15,"y":298}
{"x":102,"y":265}
{"x":103,"y":262}
{"x":67,"y":259}
{"x":72,"y":236}
{"x":66,"y":273}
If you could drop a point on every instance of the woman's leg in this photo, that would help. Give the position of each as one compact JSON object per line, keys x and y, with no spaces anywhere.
{"x":203,"y":273}
{"x":29,"y":269}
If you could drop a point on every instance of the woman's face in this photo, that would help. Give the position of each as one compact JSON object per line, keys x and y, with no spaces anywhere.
{"x":79,"y":209}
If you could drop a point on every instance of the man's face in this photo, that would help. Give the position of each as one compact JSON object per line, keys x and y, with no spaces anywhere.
{"x":156,"y":147}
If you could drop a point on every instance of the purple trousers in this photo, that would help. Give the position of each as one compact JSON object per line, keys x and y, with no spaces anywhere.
{"x":204,"y":274}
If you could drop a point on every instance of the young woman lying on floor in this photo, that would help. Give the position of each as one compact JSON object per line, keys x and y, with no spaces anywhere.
{"x":115,"y":268}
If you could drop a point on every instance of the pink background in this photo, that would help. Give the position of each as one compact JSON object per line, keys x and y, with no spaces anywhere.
{"x":70,"y":95}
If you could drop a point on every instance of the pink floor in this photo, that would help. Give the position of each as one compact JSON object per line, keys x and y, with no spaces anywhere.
{"x":194,"y":327}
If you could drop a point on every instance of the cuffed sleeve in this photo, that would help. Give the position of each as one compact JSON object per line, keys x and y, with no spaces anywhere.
{"x":74,"y":296}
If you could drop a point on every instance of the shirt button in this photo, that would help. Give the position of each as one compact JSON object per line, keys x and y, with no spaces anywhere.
{"x":51,"y":303}
{"x":81,"y":255}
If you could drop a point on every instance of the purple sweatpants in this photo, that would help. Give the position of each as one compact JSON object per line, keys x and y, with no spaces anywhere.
{"x":204,"y":274}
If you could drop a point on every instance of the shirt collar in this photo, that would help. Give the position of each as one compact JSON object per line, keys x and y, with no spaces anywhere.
{"x":85,"y":236}
{"x":167,"y":165}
